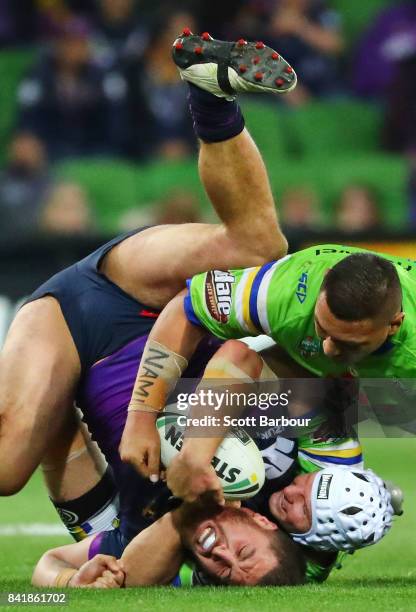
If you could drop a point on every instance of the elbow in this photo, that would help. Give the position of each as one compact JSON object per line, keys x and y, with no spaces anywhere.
{"x":240,"y":355}
{"x":36,"y":579}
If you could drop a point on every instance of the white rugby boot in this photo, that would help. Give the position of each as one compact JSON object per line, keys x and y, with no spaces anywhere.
{"x":227,"y":68}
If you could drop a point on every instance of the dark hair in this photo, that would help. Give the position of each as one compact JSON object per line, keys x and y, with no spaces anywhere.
{"x":362,"y":286}
{"x":290,"y":567}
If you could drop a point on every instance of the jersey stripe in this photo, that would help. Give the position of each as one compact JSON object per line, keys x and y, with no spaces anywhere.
{"x":331,"y":459}
{"x":263,"y":291}
{"x":246,"y":300}
{"x":254,"y":293}
{"x":188,"y":307}
{"x":345,"y":453}
{"x":241,"y":297}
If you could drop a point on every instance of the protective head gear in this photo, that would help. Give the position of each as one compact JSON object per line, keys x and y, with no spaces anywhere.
{"x":350,"y":509}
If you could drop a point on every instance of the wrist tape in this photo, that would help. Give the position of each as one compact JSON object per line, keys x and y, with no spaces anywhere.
{"x":160,"y":368}
{"x":64,"y":576}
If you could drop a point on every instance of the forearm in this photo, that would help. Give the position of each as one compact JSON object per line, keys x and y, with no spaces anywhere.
{"x":49,"y":568}
{"x":234,"y":368}
{"x":162,"y":364}
{"x":155,"y":555}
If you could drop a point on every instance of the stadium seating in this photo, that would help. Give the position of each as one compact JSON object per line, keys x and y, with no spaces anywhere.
{"x":328,"y":176}
{"x":325,"y":144}
{"x":13,"y":65}
{"x":356,"y":16}
{"x":334,"y":127}
{"x":115,"y":186}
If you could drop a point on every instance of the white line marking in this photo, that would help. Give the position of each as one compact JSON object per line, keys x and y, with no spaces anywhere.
{"x":32,"y":529}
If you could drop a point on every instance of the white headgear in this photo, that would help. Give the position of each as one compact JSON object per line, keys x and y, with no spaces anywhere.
{"x":350,"y":509}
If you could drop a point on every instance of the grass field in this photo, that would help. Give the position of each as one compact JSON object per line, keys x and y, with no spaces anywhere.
{"x":382,"y":577}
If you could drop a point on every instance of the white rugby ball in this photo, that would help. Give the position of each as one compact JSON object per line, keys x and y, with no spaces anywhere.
{"x":237,"y":462}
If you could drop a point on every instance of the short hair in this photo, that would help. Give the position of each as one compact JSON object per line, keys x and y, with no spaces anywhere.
{"x":290,"y":567}
{"x":362,"y":286}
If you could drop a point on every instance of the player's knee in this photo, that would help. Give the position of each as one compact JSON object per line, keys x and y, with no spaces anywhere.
{"x":10,"y":484}
{"x":240,"y":355}
{"x":273,"y":247}
{"x":16,"y":457}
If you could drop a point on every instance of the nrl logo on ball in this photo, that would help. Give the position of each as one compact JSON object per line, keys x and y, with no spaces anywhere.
{"x":218,"y":294}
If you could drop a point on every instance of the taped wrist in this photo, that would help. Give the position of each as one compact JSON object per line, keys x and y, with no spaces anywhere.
{"x":160,"y":368}
{"x":64,"y":576}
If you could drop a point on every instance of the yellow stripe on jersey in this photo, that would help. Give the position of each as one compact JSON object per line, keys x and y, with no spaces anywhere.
{"x":345,"y":453}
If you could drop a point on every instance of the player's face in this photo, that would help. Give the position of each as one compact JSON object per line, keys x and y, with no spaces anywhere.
{"x":291,"y":506}
{"x":348,"y":341}
{"x":233,"y":546}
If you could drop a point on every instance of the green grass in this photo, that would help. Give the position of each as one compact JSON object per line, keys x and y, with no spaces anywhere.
{"x":379,"y":578}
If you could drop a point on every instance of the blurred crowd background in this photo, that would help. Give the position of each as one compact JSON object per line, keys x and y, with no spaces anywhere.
{"x":96,"y":138}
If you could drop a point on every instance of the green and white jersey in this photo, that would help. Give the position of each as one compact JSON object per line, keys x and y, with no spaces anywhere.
{"x":278,"y":299}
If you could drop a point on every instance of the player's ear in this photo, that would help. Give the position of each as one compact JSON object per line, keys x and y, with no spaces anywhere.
{"x":395,"y":323}
{"x":264,"y":522}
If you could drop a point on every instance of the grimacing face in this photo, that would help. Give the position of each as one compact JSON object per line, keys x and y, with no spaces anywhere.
{"x":233,"y":545}
{"x":291,"y":506}
{"x":350,"y":341}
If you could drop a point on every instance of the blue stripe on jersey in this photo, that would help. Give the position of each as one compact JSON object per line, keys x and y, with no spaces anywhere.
{"x":176,"y":582}
{"x":189,"y":309}
{"x":336,"y":460}
{"x":254,"y":315}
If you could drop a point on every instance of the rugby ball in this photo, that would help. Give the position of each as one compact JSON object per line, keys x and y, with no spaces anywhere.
{"x":237,"y":462}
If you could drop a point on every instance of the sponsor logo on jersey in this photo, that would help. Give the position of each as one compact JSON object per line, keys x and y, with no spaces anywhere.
{"x":324,"y":486}
{"x":302,"y":287}
{"x":218,"y":294}
{"x":310,"y":347}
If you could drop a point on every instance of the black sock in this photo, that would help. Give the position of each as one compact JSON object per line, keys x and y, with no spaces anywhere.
{"x":94,"y":511}
{"x":215,"y":119}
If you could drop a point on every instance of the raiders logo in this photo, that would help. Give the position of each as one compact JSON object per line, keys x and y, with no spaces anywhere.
{"x":218,"y":290}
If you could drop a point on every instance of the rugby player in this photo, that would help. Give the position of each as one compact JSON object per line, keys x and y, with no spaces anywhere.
{"x":106,"y":304}
{"x":297,"y":507}
{"x":248,"y":549}
{"x":335,"y":310}
{"x":238,"y":547}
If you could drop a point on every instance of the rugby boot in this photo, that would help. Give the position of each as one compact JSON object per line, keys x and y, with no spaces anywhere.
{"x":227,"y":68}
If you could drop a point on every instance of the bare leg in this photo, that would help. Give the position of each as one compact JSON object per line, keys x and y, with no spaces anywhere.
{"x":73,"y":464}
{"x":39,"y":367}
{"x":235,"y":179}
{"x":154,"y":264}
{"x":79,"y":483}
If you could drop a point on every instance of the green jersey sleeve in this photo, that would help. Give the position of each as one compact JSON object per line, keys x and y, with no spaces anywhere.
{"x":215,"y":301}
{"x":233,"y":303}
